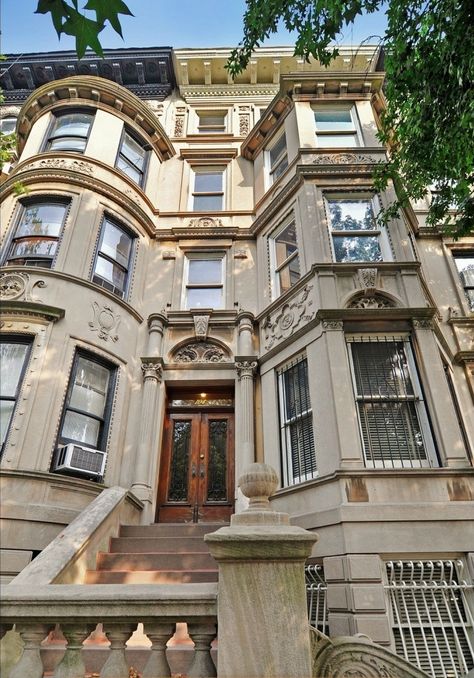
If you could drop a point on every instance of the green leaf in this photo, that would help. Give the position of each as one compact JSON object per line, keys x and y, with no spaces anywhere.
{"x":58,"y":9}
{"x":108,"y":10}
{"x":85,"y":31}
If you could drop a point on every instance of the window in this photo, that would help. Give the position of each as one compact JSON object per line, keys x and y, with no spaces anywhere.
{"x":336,"y":127}
{"x":70,"y":132}
{"x":432,"y":622}
{"x":112,"y":264}
{"x":8,"y":124}
{"x":286,"y":262}
{"x":392,"y":416}
{"x":277,"y":159}
{"x":204,"y":281}
{"x":296,"y":423}
{"x":132,"y":158}
{"x":355,"y":233}
{"x":14,"y":354}
{"x":208,"y":189}
{"x":36,"y":236}
{"x":212,"y":122}
{"x":86,"y":413}
{"x":465,"y":264}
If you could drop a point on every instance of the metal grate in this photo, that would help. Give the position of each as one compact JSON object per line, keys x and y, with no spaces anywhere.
{"x":316,"y":588}
{"x":433,"y":625}
{"x":392,"y":415}
{"x":87,"y":460}
{"x":296,"y":423}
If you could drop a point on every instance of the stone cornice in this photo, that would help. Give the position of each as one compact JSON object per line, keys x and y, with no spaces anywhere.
{"x":414,"y":314}
{"x":264,"y":128}
{"x":97,"y":92}
{"x":208,"y":156}
{"x":32,"y":309}
{"x":334,"y":82}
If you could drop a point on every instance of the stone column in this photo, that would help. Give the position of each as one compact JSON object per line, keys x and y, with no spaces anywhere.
{"x":156,"y":327}
{"x":262,"y":616}
{"x":147,"y":442}
{"x":245,"y":416}
{"x":245,"y":333}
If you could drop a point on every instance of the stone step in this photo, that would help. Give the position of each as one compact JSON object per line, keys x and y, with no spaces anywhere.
{"x":150,"y":576}
{"x":155,"y":561}
{"x":176,"y":544}
{"x":170,"y":529}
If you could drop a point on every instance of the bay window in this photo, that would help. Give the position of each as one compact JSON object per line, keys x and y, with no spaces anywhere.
{"x":277,"y":158}
{"x":112,"y":263}
{"x":14,"y":353}
{"x":70,"y":131}
{"x":286,"y":264}
{"x":132,"y":158}
{"x":336,"y":127}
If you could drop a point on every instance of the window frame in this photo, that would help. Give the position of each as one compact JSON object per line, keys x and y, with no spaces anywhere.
{"x":378,"y":231}
{"x":212,"y":129}
{"x":355,"y":133}
{"x":58,"y":114}
{"x":9,"y":118}
{"x":28,"y":341}
{"x":207,"y":169}
{"x":282,"y":158}
{"x":464,"y":253}
{"x":289,"y":478}
{"x":98,"y":254}
{"x":146,"y":148}
{"x":421,"y":409}
{"x":203,"y":256}
{"x":106,"y":418}
{"x":275,"y":270}
{"x":22,"y":207}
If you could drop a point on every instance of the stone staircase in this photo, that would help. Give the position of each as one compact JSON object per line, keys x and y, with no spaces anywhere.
{"x":161,"y":553}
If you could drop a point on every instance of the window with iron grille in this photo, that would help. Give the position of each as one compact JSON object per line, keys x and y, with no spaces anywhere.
{"x":393,"y":420}
{"x":316,"y":589}
{"x":296,"y":423}
{"x":432,"y":619}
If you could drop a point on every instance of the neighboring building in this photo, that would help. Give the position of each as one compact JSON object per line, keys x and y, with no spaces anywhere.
{"x":194,"y":280}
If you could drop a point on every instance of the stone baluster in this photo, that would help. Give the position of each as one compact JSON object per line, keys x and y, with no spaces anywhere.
{"x":202,"y":636}
{"x":116,"y":665}
{"x":72,"y":663}
{"x":30,"y":663}
{"x":157,"y":664}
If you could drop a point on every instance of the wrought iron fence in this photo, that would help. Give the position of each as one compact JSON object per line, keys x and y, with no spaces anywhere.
{"x":316,"y":588}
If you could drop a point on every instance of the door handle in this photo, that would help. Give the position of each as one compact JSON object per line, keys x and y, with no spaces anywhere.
{"x":202,"y":471}
{"x":193,"y":471}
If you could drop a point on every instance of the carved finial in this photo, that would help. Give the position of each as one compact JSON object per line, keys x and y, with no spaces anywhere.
{"x":258,"y":483}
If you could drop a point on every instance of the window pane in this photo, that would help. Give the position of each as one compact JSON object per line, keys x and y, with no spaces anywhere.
{"x":334,"y":120}
{"x":116,"y":244}
{"x":90,"y":387}
{"x":351,"y":215}
{"x":73,"y":124}
{"x":41,"y":219}
{"x":205,"y":271}
{"x":204,"y":297}
{"x":278,"y":149}
{"x":391,"y":432}
{"x":289,"y":274}
{"x":358,"y":248}
{"x":207,"y":203}
{"x":129,"y":169}
{"x":109,"y":272}
{"x":285,"y":244}
{"x":381,"y":369}
{"x":278,"y":169}
{"x":34,"y":247}
{"x":7,"y":125}
{"x":68,"y":144}
{"x":12,"y":358}
{"x":465,"y":266}
{"x":81,"y":428}
{"x":133,"y":151}
{"x":6,"y":411}
{"x":337,"y":141}
{"x":208,"y":182}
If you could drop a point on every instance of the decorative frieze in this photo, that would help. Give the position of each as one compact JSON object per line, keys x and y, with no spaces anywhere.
{"x":205,"y":222}
{"x":105,"y":322}
{"x":423,"y":323}
{"x":289,"y":318}
{"x":61,"y":163}
{"x":372,"y":301}
{"x":201,"y":352}
{"x":179,"y":121}
{"x":333,"y":325}
{"x":345,"y":159}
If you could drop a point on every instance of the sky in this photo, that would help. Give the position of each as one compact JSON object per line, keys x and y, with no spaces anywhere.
{"x":157,"y":23}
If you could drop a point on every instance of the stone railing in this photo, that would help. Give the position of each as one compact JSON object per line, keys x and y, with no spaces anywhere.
{"x":119,"y":608}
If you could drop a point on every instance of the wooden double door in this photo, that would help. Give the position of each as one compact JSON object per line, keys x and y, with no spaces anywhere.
{"x":197,"y":467}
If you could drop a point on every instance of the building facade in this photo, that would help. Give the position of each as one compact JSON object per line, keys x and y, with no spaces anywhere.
{"x":194,"y":279}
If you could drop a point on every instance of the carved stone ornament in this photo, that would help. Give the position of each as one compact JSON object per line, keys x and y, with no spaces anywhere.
{"x":292,"y":315}
{"x":18,"y":286}
{"x":367,"y":277}
{"x":132,"y":195}
{"x":152,"y":369}
{"x":423,"y":323}
{"x":201,"y":326}
{"x":246,"y":368}
{"x":7,"y":111}
{"x":372,"y":301}
{"x":356,"y":657}
{"x":343,"y":159}
{"x":244,"y":124}
{"x":205,"y":222}
{"x":155,"y":106}
{"x":333,"y":325}
{"x":179,"y":123}
{"x":63,"y":164}
{"x":201,"y":352}
{"x":105,"y":322}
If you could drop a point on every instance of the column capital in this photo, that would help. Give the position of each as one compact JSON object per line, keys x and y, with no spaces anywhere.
{"x":246,"y":367}
{"x":245,"y":320}
{"x":152,"y":368}
{"x":157,"y":322}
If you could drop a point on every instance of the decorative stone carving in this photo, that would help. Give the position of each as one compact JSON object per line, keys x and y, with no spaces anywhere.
{"x":372,"y":301}
{"x":63,"y":164}
{"x":244,"y":124}
{"x":343,"y":159}
{"x":201,"y":352}
{"x":240,"y":254}
{"x":333,"y":325}
{"x":293,"y":315}
{"x":258,"y":483}
{"x":7,"y":111}
{"x":367,"y":277}
{"x":16,"y":286}
{"x":155,"y":106}
{"x":105,"y":322}
{"x":205,"y":222}
{"x":179,"y":121}
{"x":132,"y":195}
{"x":169,"y":254}
{"x":356,"y":657}
{"x":423,"y":323}
{"x":152,"y":369}
{"x":201,"y":326}
{"x":246,"y":368}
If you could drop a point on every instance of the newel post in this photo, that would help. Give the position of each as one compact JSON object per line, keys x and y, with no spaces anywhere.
{"x":262,"y":617}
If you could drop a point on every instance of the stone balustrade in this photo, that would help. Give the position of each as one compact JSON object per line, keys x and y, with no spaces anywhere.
{"x":119,"y":608}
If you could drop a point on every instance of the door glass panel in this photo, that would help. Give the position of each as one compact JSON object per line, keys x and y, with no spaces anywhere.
{"x":217,"y":464}
{"x":180,"y":453}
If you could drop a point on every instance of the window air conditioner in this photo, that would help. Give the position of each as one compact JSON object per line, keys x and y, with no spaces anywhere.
{"x":76,"y":460}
